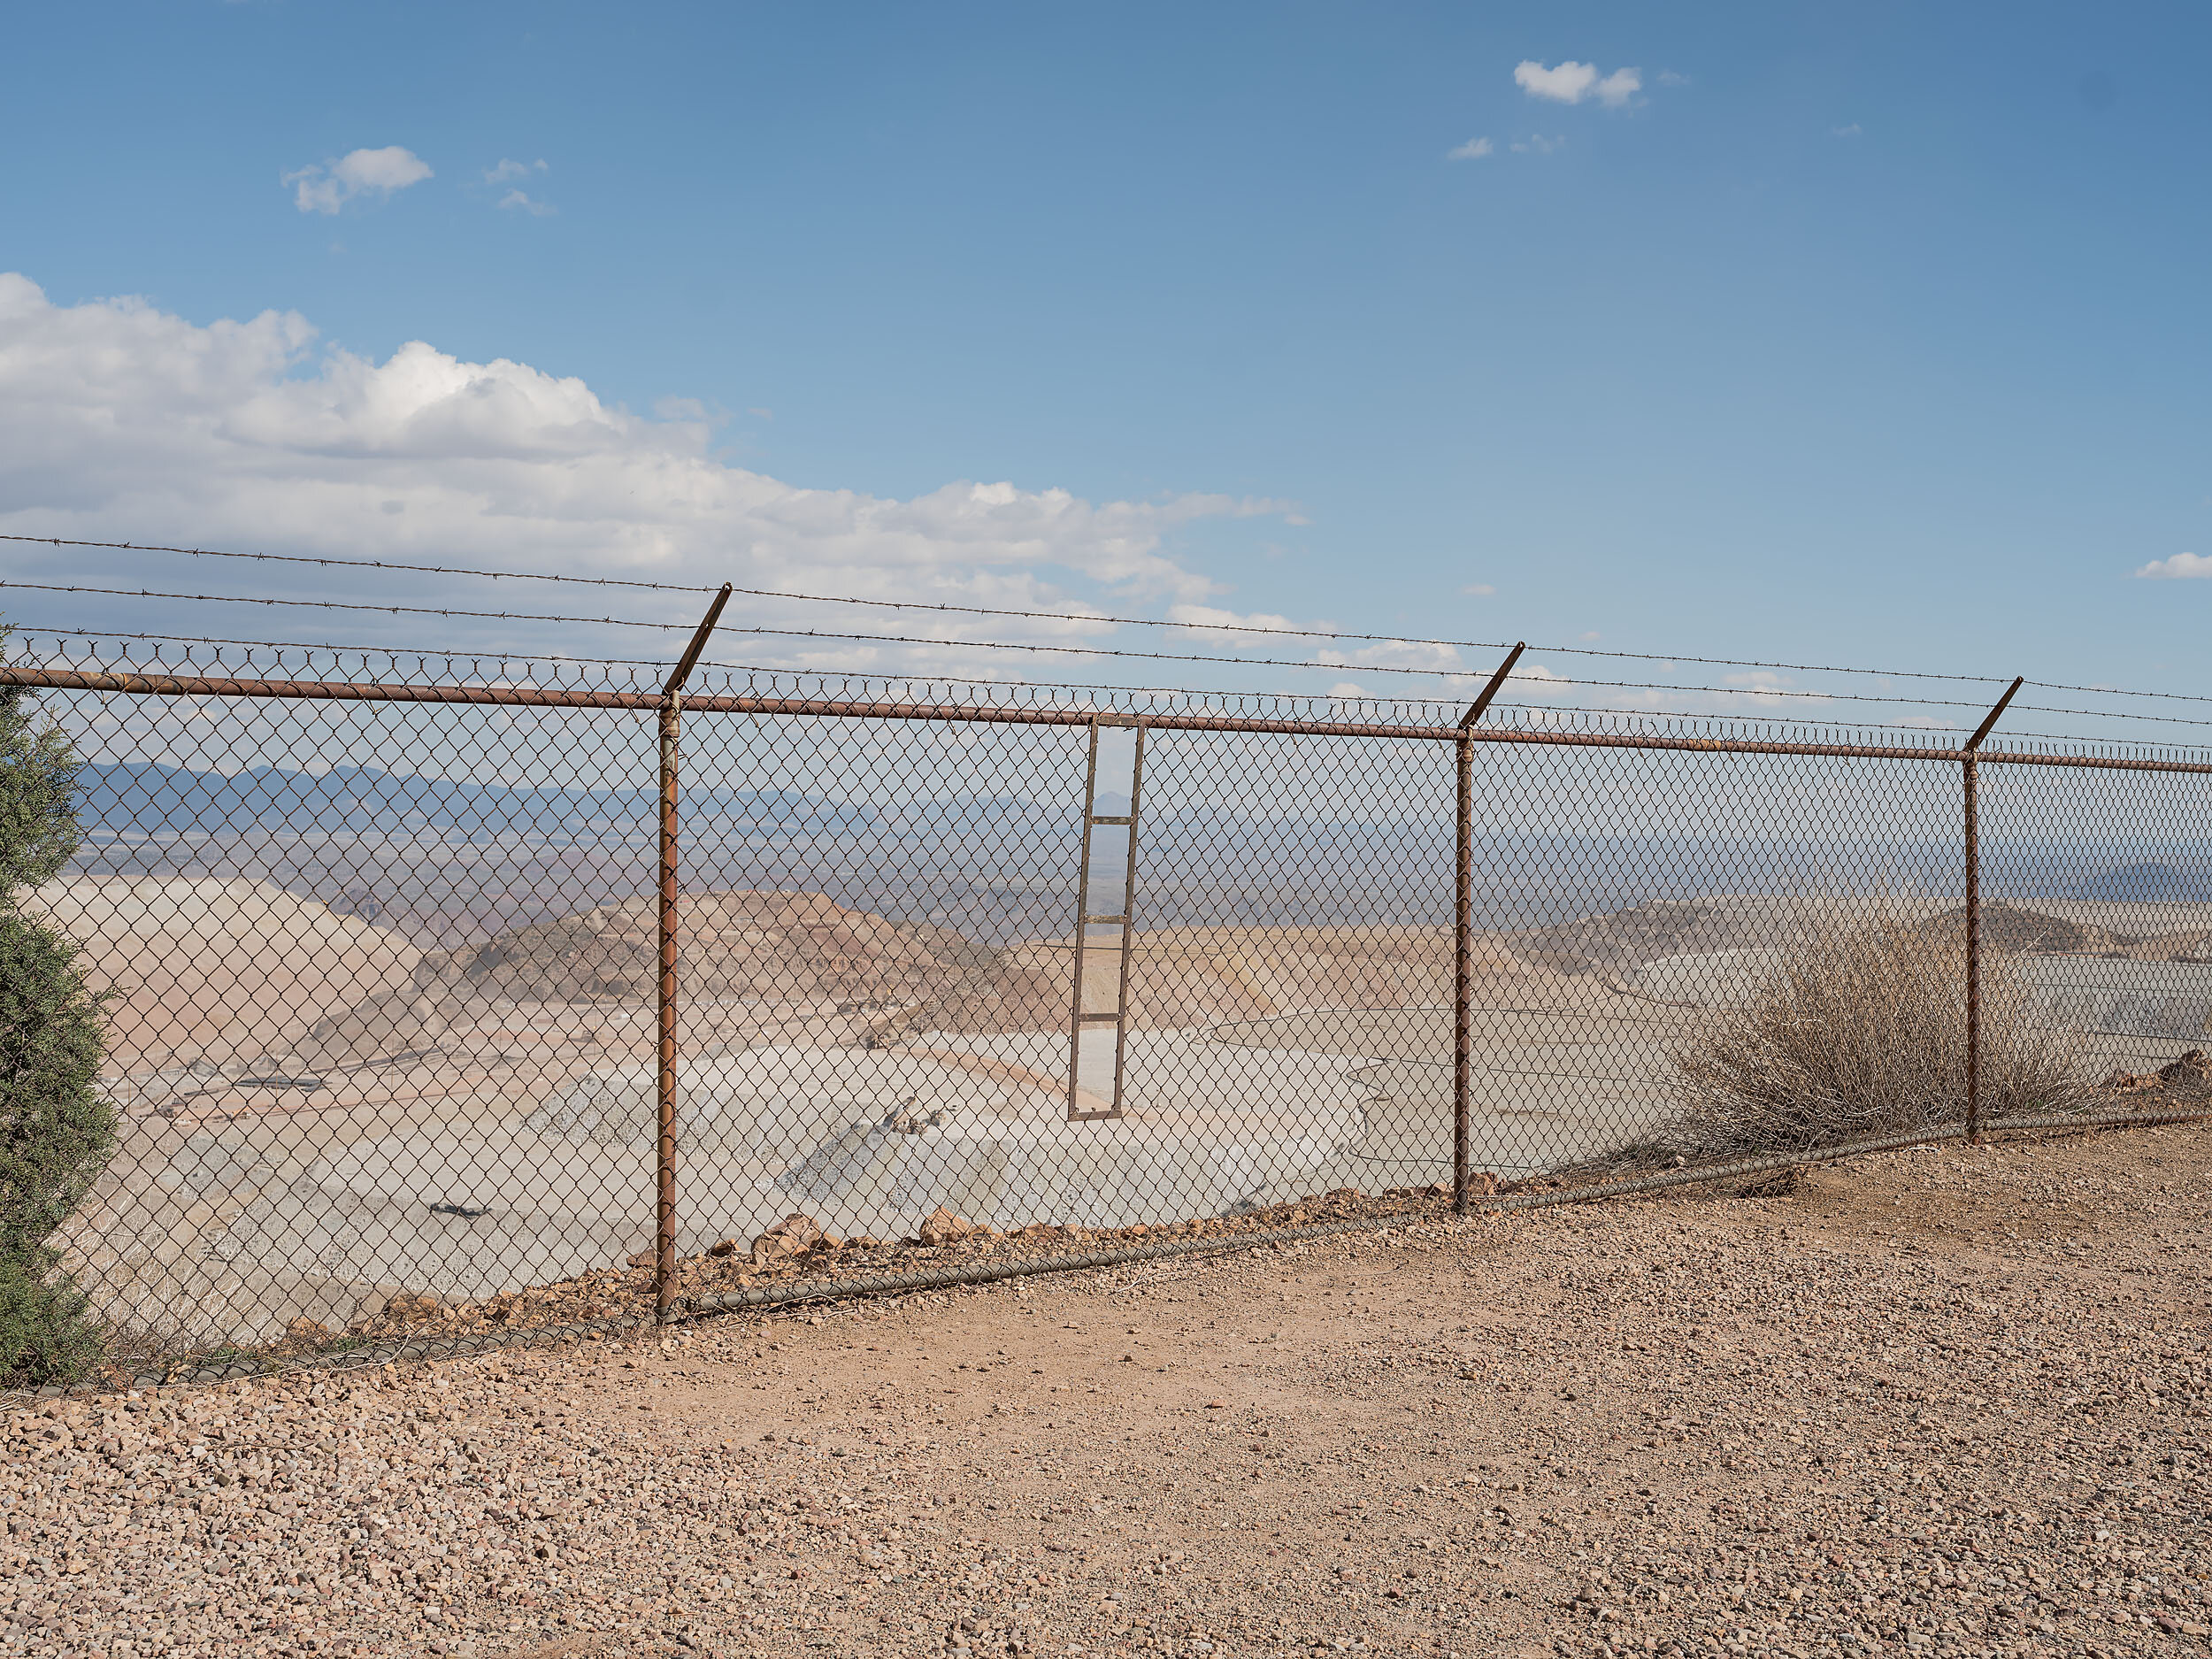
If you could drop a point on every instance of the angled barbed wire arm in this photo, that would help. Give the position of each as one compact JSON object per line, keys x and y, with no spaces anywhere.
{"x":1971,"y":781}
{"x":1463,"y":934}
{"x":664,"y":1079}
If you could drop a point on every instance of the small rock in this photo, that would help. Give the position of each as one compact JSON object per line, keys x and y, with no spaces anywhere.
{"x":793,"y":1236}
{"x":942,"y":1227}
{"x":2193,"y":1069}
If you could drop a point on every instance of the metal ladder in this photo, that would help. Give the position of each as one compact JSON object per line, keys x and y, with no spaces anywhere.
{"x":1105,"y":918}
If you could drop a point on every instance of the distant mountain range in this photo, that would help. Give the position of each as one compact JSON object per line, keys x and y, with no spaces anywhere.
{"x":146,"y":796}
{"x":2149,"y":883}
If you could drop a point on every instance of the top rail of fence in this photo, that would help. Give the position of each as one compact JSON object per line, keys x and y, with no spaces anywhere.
{"x":788,"y":695}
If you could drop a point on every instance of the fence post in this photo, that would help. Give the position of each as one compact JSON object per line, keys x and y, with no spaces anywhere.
{"x":1973,"y":952}
{"x":1971,"y":779}
{"x":665,"y":1089}
{"x":1463,"y":935}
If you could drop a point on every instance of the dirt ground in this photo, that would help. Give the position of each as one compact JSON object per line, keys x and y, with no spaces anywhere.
{"x":1946,"y":1401}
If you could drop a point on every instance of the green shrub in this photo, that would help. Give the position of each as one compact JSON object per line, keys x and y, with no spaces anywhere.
{"x":56,"y":1131}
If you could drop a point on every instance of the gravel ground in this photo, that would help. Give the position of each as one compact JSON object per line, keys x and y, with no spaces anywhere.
{"x":1943,"y":1401}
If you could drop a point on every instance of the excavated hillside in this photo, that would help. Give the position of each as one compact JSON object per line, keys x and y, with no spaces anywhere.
{"x":889,"y":980}
{"x":778,"y":950}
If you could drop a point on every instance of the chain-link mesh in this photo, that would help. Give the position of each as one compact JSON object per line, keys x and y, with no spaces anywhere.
{"x":382,"y":950}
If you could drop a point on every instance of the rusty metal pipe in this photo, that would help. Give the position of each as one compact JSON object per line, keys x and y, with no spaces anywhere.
{"x":834,"y":708}
{"x":1462,"y":973}
{"x":1973,"y":953}
{"x":665,"y":1081}
{"x":1463,"y":933}
{"x":664,"y":1077}
{"x":1972,"y":784}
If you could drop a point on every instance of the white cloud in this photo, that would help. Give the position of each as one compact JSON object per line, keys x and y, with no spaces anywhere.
{"x":1669,"y":78}
{"x":1571,"y":82}
{"x":1427,"y":657}
{"x":121,"y":422}
{"x":1533,"y":678}
{"x":1617,"y":89}
{"x":1765,"y":689}
{"x":378,"y":173}
{"x":1473,"y":150}
{"x":1852,"y":131}
{"x":1479,"y":590}
{"x":1207,"y":622}
{"x":1536,"y":144}
{"x":506,"y":173}
{"x":2181,"y":566}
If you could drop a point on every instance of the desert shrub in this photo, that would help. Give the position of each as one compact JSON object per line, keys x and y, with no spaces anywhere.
{"x":1860,"y":1030}
{"x":56,"y":1131}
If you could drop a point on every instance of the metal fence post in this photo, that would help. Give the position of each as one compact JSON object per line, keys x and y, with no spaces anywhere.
{"x":1972,"y":771}
{"x":1971,"y":779}
{"x":1464,"y":936}
{"x":665,"y":1090}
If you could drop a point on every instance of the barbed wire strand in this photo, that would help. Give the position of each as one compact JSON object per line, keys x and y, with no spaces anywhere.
{"x":762,"y":630}
{"x":1072,"y":616}
{"x":1464,"y":674}
{"x":525,"y":661}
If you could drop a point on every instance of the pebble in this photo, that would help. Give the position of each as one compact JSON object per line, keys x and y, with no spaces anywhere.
{"x":1855,"y":1419}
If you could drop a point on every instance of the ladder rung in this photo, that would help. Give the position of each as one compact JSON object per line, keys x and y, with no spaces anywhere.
{"x":1116,"y":1018}
{"x":1095,"y":819}
{"x":1123,"y":919}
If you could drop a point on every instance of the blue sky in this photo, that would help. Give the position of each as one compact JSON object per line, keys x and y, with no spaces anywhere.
{"x":1857,"y":333}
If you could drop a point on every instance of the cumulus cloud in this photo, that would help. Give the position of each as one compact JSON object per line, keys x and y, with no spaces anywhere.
{"x":527,"y":203}
{"x":377,"y":173}
{"x":1414,"y":654}
{"x":1617,"y":89}
{"x":1571,"y":82}
{"x":1473,"y":150}
{"x":1852,"y":130}
{"x":119,"y":421}
{"x":2181,"y":566}
{"x":509,"y":170}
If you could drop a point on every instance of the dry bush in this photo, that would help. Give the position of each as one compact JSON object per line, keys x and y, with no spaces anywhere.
{"x":1862,"y":1031}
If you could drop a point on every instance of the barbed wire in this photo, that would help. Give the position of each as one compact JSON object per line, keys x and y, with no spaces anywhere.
{"x":1063,"y":616}
{"x":661,"y":664}
{"x":373,"y":565}
{"x":1067,"y":616}
{"x":1467,"y":674}
{"x":346,"y":604}
{"x":766,"y":631}
{"x":1539,"y":711}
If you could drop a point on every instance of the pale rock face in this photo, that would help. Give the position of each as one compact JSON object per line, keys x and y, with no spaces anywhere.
{"x":218,"y":971}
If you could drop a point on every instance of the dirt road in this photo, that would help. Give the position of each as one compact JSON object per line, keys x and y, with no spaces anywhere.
{"x":1946,"y":1401}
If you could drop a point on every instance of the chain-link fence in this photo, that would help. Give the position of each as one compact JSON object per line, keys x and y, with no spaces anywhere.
{"x":449,"y":1002}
